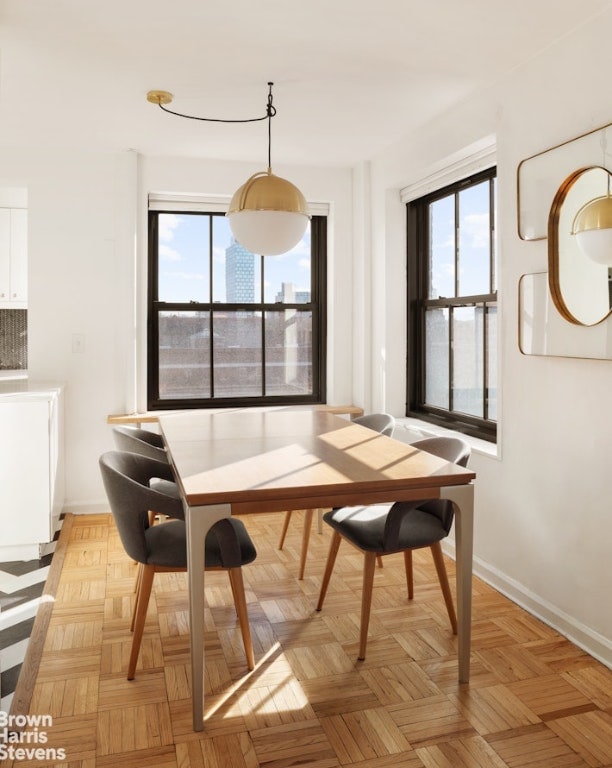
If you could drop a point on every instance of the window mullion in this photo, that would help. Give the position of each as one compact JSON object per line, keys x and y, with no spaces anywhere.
{"x":263,"y":352}
{"x":457,"y":254}
{"x":211,"y":325}
{"x":492,"y":266}
{"x":451,"y":364}
{"x":485,"y":361}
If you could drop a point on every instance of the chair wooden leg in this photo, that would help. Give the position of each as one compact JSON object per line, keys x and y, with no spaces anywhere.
{"x":286,"y":522}
{"x":308,"y":515}
{"x":369,"y":566}
{"x":329,"y":567}
{"x":409,"y":576}
{"x":144,"y":593}
{"x":379,"y":561}
{"x":438,"y":557}
{"x":137,"y":583}
{"x":320,"y":513}
{"x":237,"y":584}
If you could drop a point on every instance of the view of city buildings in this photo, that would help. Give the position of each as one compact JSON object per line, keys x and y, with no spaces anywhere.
{"x":238,"y":353}
{"x":240,"y":279}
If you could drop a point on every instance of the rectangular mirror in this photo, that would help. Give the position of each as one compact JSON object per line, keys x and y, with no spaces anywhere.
{"x":539,"y":177}
{"x":542,"y":330}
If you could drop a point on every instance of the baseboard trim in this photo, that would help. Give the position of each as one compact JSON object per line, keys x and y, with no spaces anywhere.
{"x":94,"y":508}
{"x":592,"y":642}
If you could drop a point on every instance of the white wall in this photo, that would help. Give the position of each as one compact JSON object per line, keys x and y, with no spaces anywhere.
{"x":75,"y":287}
{"x":87,"y":233}
{"x":543,"y":506}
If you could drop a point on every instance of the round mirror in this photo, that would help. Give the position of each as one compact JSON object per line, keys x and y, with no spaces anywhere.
{"x":580,"y":287}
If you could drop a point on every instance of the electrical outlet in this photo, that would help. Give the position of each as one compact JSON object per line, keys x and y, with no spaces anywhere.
{"x":78,"y":342}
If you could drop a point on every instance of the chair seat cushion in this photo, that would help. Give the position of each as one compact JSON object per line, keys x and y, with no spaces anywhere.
{"x":167,"y":545}
{"x":365,"y":527}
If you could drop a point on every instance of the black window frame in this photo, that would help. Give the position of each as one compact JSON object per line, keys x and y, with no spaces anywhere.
{"x":317,"y":306}
{"x":417,"y":274}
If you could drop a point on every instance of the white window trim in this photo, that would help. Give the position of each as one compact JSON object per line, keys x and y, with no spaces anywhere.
{"x":468,"y":161}
{"x":171,"y":201}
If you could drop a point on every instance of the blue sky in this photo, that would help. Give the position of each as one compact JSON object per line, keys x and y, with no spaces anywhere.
{"x":473,"y":246}
{"x":183,"y":260}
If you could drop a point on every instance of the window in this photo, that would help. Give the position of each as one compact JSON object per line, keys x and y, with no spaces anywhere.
{"x":452,"y":306}
{"x":227,"y":327}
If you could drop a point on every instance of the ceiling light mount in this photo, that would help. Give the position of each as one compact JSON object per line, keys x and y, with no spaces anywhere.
{"x":159,"y":97}
{"x":267,"y":214}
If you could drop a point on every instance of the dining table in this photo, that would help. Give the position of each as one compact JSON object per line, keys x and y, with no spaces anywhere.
{"x":273,"y":459}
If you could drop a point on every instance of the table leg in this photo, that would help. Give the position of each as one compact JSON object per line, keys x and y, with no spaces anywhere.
{"x":463,"y":498}
{"x":199,"y":521}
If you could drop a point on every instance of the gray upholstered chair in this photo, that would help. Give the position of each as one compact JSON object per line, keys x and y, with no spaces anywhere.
{"x":142,"y":441}
{"x":146,"y":443}
{"x":389,"y":528}
{"x":163,"y":548}
{"x":382,"y":423}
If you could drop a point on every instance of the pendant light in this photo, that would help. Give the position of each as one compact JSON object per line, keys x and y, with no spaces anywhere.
{"x":268,"y":215}
{"x":593,"y":229}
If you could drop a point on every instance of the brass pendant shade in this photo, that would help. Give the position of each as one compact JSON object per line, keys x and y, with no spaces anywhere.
{"x":264,"y":191}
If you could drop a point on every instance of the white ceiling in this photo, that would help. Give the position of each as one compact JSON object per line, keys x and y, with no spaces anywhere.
{"x":351,"y":76}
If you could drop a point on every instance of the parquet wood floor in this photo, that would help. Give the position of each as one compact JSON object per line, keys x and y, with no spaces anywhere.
{"x":534,"y":701}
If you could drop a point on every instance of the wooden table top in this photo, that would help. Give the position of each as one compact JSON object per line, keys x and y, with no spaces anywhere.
{"x":296,"y":459}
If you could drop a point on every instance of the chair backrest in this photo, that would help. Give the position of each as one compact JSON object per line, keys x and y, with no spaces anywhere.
{"x":450,"y":449}
{"x":142,"y":441}
{"x":379,"y":422}
{"x":126,"y":479}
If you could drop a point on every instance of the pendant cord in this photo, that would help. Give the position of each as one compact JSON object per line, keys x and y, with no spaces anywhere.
{"x":270,"y":112}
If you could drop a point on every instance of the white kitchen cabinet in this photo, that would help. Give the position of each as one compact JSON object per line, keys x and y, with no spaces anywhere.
{"x":31,"y":468}
{"x":13,"y":258}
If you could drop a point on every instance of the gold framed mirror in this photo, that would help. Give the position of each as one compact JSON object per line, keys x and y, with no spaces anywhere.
{"x":580,"y":287}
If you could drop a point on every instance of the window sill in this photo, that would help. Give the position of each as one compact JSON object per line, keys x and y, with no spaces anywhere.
{"x":408,"y":429}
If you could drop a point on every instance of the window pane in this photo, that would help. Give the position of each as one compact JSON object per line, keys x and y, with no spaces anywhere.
{"x":184,"y":359}
{"x":474,"y":240}
{"x":442,"y":248}
{"x":237,"y":354}
{"x":236,"y":277}
{"x":468,"y":329}
{"x":288,"y":352}
{"x":287,"y":277}
{"x":492,"y":361}
{"x":183,"y":247}
{"x":436,"y":358}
